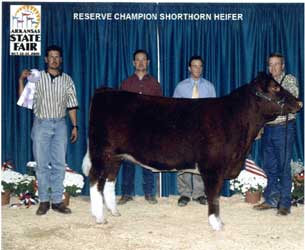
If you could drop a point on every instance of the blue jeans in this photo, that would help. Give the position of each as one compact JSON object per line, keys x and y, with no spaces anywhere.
{"x":128,"y":177}
{"x":276,"y":164}
{"x":49,"y":148}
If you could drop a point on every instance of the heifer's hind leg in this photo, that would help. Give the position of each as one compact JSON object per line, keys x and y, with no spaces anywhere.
{"x":213,"y":182}
{"x":97,"y":181}
{"x":109,"y":189}
{"x":97,"y":206}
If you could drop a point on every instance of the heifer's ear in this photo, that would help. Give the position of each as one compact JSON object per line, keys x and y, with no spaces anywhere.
{"x":262,"y":79}
{"x":261,"y":75}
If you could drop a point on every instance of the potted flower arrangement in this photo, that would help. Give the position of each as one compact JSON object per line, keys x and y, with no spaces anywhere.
{"x":73,"y":184}
{"x":27,"y":185}
{"x":249,"y":185}
{"x":9,"y":182}
{"x":297,"y":192}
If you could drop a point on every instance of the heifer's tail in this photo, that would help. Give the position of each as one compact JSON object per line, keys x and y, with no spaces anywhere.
{"x":86,"y":166}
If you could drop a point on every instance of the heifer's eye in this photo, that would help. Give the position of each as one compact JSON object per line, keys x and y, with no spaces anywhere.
{"x":275,"y":88}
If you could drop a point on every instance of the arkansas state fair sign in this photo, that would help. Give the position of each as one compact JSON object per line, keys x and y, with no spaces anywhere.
{"x":25,"y":30}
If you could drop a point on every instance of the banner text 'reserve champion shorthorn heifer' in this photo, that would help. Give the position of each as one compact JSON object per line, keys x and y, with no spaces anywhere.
{"x":210,"y":136}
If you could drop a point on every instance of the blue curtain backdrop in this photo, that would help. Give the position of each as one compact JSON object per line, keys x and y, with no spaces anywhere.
{"x":99,"y":52}
{"x":233,"y":51}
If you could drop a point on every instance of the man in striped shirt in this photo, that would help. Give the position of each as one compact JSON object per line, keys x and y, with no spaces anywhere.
{"x":54,"y":95}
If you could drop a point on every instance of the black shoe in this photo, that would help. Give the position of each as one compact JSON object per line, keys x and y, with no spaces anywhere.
{"x":183,"y":200}
{"x":151,"y":199}
{"x":43,"y":208}
{"x":201,"y":200}
{"x":61,"y":208}
{"x":124,"y":199}
{"x":283,"y":211}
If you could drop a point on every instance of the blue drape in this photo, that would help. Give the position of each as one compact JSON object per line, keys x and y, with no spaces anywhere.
{"x":99,"y":52}
{"x":233,"y":51}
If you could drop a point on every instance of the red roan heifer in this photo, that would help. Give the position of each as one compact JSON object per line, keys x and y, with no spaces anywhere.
{"x":166,"y":134}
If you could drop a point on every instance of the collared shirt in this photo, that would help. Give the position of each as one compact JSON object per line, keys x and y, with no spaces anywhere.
{"x":148,"y":85}
{"x":290,"y":83}
{"x":184,"y":89}
{"x":54,"y":95}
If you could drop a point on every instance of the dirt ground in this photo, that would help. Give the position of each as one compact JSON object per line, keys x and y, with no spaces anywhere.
{"x":163,"y":226}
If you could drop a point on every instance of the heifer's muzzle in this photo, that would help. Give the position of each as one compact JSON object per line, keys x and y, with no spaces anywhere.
{"x":300,"y":105}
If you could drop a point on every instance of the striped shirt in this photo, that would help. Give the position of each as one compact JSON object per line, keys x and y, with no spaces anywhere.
{"x":290,"y":83}
{"x":53,"y":96}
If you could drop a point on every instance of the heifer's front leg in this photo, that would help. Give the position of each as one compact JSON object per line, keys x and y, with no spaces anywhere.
{"x":214,"y":218}
{"x":97,"y":206}
{"x":213,"y":182}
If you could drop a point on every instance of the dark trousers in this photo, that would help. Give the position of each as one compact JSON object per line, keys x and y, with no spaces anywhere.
{"x":128,"y":177}
{"x":276,"y":163}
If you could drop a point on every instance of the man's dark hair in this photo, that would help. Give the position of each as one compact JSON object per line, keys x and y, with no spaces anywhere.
{"x":53,"y":47}
{"x":195,"y":58}
{"x":279,"y":55}
{"x":140,"y":51}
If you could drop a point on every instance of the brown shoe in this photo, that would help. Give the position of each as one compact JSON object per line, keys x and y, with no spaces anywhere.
{"x":61,"y":208}
{"x":43,"y":208}
{"x":124,"y":199}
{"x":263,"y":206}
{"x":283,"y":211}
{"x":151,"y":199}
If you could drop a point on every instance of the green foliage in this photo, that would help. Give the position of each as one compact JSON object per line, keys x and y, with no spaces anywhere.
{"x":27,"y":185}
{"x":10,"y":187}
{"x":73,"y":190}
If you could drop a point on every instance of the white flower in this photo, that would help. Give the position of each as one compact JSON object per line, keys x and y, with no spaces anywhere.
{"x":73,"y":183}
{"x":296,"y":167}
{"x":74,"y":179}
{"x":10,"y":180}
{"x":10,"y":176}
{"x":247,"y":181}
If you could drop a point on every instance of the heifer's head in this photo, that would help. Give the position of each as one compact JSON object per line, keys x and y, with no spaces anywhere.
{"x":275,"y":99}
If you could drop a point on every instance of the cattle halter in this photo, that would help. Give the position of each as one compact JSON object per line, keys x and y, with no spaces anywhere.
{"x":281,"y":102}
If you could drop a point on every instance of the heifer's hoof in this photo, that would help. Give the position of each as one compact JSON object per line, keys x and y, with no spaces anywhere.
{"x":215,"y":222}
{"x":101,"y":221}
{"x":115,"y":213}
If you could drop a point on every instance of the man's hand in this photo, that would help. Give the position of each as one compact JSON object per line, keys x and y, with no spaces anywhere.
{"x":74,"y":135}
{"x":24,"y":74}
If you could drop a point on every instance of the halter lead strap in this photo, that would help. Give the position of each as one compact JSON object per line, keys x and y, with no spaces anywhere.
{"x":281,"y":102}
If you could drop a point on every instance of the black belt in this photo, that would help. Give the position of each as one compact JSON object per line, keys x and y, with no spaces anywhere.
{"x":280,"y":123}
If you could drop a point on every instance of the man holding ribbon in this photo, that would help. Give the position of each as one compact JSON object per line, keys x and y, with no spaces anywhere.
{"x":54,"y":95}
{"x":191,"y":185}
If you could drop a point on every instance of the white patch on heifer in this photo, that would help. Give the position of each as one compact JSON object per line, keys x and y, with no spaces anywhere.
{"x":109,"y":196}
{"x":86,"y":166}
{"x":215,"y":222}
{"x":97,"y":206}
